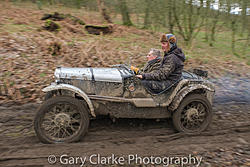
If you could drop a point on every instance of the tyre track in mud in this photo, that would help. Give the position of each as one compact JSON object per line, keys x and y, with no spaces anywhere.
{"x":104,"y":129}
{"x":161,"y":138}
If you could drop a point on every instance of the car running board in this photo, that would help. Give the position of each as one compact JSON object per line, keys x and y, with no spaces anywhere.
{"x":138,"y":102}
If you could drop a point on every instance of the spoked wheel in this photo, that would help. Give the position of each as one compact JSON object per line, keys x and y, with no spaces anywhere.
{"x":61,"y":119}
{"x":193,"y":115}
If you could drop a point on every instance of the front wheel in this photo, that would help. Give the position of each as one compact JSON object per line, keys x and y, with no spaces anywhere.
{"x":193,"y":115}
{"x":61,"y":119}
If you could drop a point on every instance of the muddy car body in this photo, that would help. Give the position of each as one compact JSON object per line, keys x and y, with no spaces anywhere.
{"x":81,"y":94}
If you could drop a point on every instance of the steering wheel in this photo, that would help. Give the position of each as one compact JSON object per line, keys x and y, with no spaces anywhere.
{"x":125,"y":66}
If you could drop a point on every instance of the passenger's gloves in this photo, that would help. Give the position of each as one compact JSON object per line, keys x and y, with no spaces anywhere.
{"x":136,"y":70}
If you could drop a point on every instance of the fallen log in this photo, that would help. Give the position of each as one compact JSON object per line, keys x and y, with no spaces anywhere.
{"x":97,"y":29}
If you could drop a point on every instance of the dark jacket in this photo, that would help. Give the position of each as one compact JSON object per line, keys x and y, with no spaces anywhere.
{"x":169,"y":72}
{"x":151,"y":66}
{"x":171,"y":67}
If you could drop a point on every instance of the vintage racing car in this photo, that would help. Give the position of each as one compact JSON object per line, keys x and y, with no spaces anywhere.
{"x":81,"y":94}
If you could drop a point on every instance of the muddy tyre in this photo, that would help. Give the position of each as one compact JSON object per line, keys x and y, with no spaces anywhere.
{"x":61,"y":119}
{"x":193,"y":115}
{"x":48,"y":95}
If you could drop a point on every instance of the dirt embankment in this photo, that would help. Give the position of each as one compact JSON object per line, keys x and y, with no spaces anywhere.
{"x":29,"y":54}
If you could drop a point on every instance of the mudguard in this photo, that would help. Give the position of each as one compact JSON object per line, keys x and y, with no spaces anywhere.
{"x":72,"y":89}
{"x":209,"y":92}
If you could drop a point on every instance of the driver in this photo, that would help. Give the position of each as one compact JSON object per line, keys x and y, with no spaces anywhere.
{"x":154,"y":59}
{"x":170,"y":70}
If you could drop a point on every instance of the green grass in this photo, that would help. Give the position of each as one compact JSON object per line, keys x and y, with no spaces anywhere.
{"x":120,"y":39}
{"x":221,"y":48}
{"x":42,"y":75}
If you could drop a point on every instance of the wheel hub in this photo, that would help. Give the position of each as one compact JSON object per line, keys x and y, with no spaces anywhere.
{"x":62,"y":120}
{"x":192,"y":113}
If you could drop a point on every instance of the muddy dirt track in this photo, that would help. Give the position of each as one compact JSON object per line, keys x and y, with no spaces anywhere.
{"x":225,"y":143}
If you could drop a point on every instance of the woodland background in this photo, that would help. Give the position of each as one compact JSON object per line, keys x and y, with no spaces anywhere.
{"x":214,"y":34}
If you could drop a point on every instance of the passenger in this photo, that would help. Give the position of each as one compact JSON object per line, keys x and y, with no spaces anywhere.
{"x":154,"y":60}
{"x":170,"y":70}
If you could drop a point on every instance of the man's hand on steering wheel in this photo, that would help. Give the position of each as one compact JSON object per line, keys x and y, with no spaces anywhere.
{"x":139,"y":76}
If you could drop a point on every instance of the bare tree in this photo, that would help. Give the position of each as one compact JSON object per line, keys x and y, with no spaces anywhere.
{"x":188,"y":20}
{"x":214,"y":16}
{"x":207,"y":10}
{"x":233,"y":36}
{"x":124,"y":12}
{"x":171,"y":21}
{"x":244,"y":15}
{"x":103,"y":11}
{"x":146,"y":17}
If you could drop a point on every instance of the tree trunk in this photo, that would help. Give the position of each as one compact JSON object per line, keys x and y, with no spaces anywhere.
{"x":244,"y":16}
{"x":103,"y":11}
{"x":177,"y":19}
{"x":206,"y":19}
{"x":146,"y":17}
{"x":215,"y":21}
{"x":233,"y":37}
{"x":247,"y":43}
{"x":124,"y":12}
{"x":214,"y":24}
{"x":170,"y":17}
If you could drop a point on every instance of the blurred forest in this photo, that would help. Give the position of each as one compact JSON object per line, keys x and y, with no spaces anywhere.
{"x":183,"y":17}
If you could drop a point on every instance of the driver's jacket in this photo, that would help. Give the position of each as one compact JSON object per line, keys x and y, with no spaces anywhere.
{"x":149,"y":67}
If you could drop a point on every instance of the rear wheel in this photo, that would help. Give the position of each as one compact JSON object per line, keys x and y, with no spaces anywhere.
{"x":61,"y":119}
{"x":193,"y":115}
